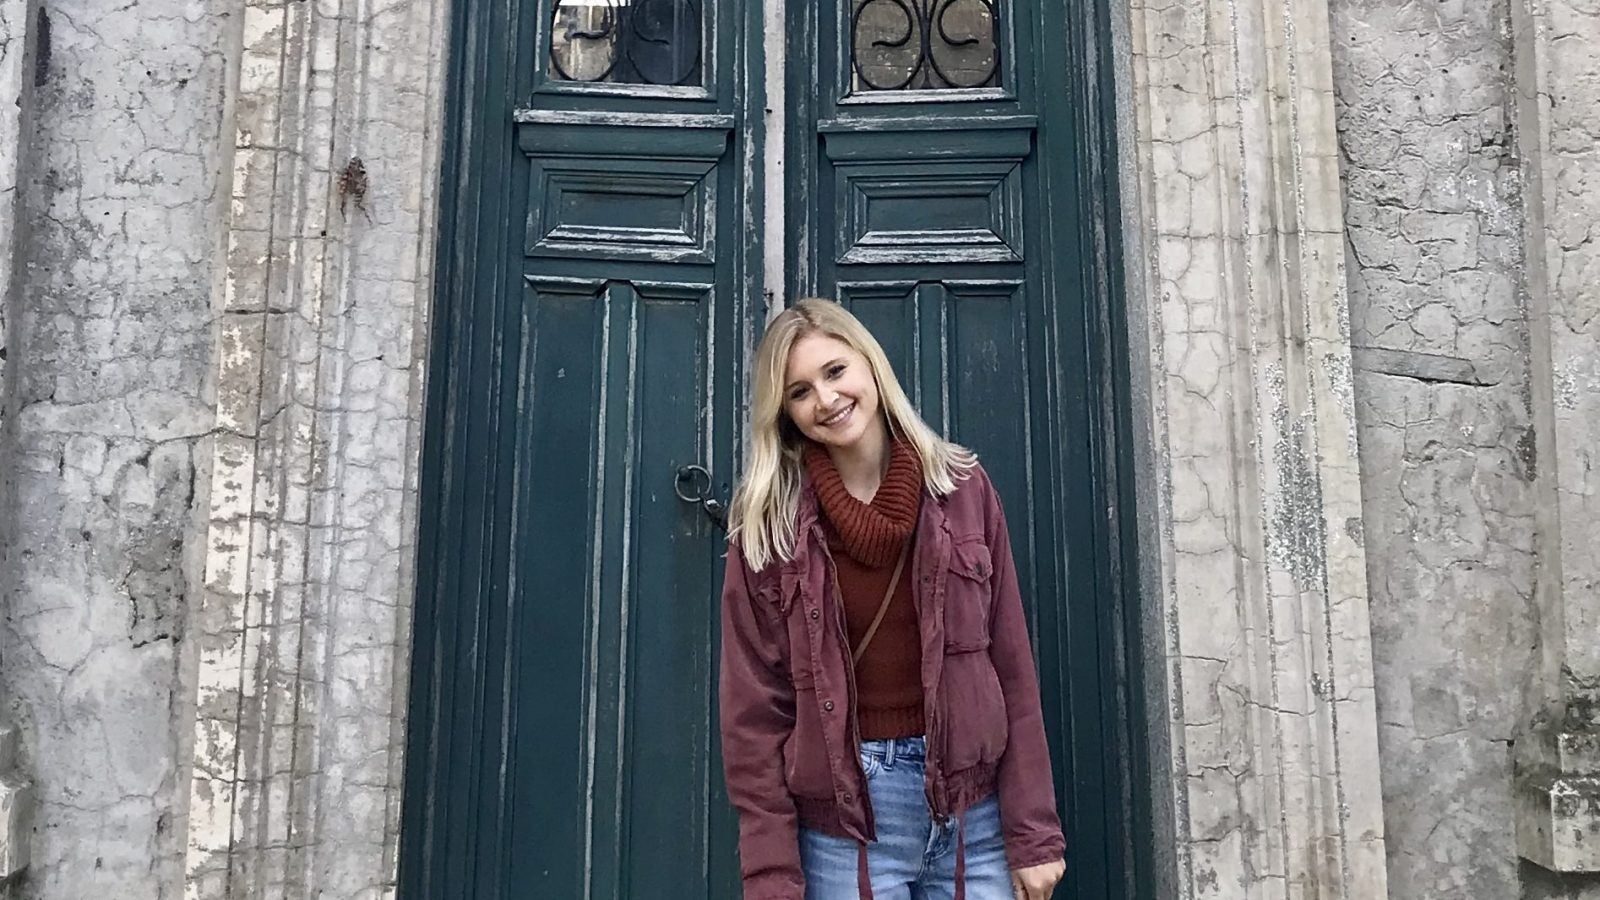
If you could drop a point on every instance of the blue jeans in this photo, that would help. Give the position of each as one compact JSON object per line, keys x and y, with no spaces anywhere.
{"x":914,"y":857}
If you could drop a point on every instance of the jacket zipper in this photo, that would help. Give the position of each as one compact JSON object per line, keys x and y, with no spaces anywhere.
{"x":935,"y":728}
{"x":850,"y":681}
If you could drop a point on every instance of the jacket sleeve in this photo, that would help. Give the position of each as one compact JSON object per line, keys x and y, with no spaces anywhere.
{"x":757,"y":715}
{"x":1027,"y":789}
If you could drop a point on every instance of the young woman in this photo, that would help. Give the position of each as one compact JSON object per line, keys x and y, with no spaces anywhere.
{"x":881,"y":727}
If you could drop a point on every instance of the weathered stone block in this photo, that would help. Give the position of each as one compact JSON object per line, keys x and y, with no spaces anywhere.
{"x":16,"y":811}
{"x":1558,"y":800}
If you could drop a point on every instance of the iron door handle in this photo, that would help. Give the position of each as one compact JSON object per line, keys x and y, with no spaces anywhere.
{"x":693,"y":484}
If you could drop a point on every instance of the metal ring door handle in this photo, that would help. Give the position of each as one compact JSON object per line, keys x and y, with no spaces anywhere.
{"x":693,"y":484}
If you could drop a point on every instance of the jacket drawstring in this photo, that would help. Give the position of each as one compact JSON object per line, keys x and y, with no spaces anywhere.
{"x":863,"y":878}
{"x":961,"y":855}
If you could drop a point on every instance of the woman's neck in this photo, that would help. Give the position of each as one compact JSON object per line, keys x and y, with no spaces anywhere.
{"x":862,"y":466}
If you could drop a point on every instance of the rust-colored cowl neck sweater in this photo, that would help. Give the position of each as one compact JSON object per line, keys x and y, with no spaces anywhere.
{"x":865,"y":541}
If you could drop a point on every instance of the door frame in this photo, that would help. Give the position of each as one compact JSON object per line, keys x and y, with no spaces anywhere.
{"x":471,"y":217}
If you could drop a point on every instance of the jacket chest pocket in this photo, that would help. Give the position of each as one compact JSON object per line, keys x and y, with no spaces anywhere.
{"x":797,"y":646}
{"x":968,"y":595}
{"x":970,"y":697}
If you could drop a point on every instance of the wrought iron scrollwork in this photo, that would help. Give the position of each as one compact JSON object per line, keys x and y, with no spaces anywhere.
{"x":925,"y":44}
{"x":626,"y":41}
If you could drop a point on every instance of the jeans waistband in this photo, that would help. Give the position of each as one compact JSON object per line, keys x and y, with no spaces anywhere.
{"x":897,"y":748}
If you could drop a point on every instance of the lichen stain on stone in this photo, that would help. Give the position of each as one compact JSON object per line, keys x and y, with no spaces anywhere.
{"x":1296,"y":535}
{"x":1527,"y":455}
{"x":41,"y":50}
{"x":1566,"y":387}
{"x":218,"y":705}
{"x":1356,"y":530}
{"x":1337,"y":368}
{"x":155,"y":588}
{"x":214,"y":631}
{"x":150,"y":572}
{"x":1321,"y":687}
{"x":1582,"y":693}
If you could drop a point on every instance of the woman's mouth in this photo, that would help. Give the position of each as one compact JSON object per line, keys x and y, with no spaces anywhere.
{"x":838,"y":418}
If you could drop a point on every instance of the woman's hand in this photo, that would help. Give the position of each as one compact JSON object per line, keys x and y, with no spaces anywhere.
{"x":1036,"y":882}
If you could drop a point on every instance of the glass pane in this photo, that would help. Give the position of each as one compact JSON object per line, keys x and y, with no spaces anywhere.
{"x":925,"y":44}
{"x":626,"y":41}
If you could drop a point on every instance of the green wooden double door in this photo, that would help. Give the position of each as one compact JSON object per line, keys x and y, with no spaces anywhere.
{"x":629,"y":186}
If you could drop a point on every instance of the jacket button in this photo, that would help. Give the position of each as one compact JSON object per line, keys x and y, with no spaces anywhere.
{"x":816,"y":614}
{"x":828,"y":705}
{"x":849,"y":798}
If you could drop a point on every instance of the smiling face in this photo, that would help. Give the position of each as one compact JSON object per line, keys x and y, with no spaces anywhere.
{"x":829,"y":392}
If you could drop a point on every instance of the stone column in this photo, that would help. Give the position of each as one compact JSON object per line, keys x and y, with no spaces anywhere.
{"x":1272,"y":719}
{"x":1558,"y":756}
{"x":303,"y":625}
{"x":19,"y":65}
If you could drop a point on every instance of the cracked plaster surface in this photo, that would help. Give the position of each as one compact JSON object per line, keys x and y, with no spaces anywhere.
{"x":303,"y":625}
{"x":1559,"y":85}
{"x":108,"y":377}
{"x":1558,"y":81}
{"x":1433,"y":205}
{"x":1466,"y":131}
{"x":18,"y":70}
{"x":1272,"y":712}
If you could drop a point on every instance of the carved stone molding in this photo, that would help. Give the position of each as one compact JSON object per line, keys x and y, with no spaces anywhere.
{"x":1558,"y":123}
{"x":18,"y":34}
{"x":303,"y":628}
{"x":16,"y":812}
{"x":1274,"y":758}
{"x":1558,"y":799}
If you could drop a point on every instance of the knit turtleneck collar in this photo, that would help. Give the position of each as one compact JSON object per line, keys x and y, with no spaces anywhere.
{"x":872,"y":533}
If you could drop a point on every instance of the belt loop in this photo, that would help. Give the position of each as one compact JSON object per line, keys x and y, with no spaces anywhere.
{"x":888,"y":756}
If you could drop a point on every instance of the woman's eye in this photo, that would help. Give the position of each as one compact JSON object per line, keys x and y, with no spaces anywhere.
{"x":836,"y":371}
{"x":797,"y":393}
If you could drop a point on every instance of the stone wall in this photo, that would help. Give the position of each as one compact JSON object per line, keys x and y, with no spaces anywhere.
{"x":302,"y":625}
{"x":108,"y":367}
{"x":1435,"y":158}
{"x":1262,"y":586}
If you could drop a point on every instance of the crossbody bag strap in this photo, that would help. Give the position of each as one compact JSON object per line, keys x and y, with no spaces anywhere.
{"x":883,"y":607}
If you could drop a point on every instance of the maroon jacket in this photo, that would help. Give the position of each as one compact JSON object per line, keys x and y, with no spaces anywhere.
{"x":789,"y":741}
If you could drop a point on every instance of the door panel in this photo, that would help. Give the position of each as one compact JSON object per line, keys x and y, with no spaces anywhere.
{"x":596,"y":193}
{"x":610,"y":727}
{"x":632,"y":144}
{"x":567,"y":742}
{"x":947,"y":191}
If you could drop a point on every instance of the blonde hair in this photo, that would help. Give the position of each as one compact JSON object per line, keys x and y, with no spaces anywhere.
{"x":767,"y":501}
